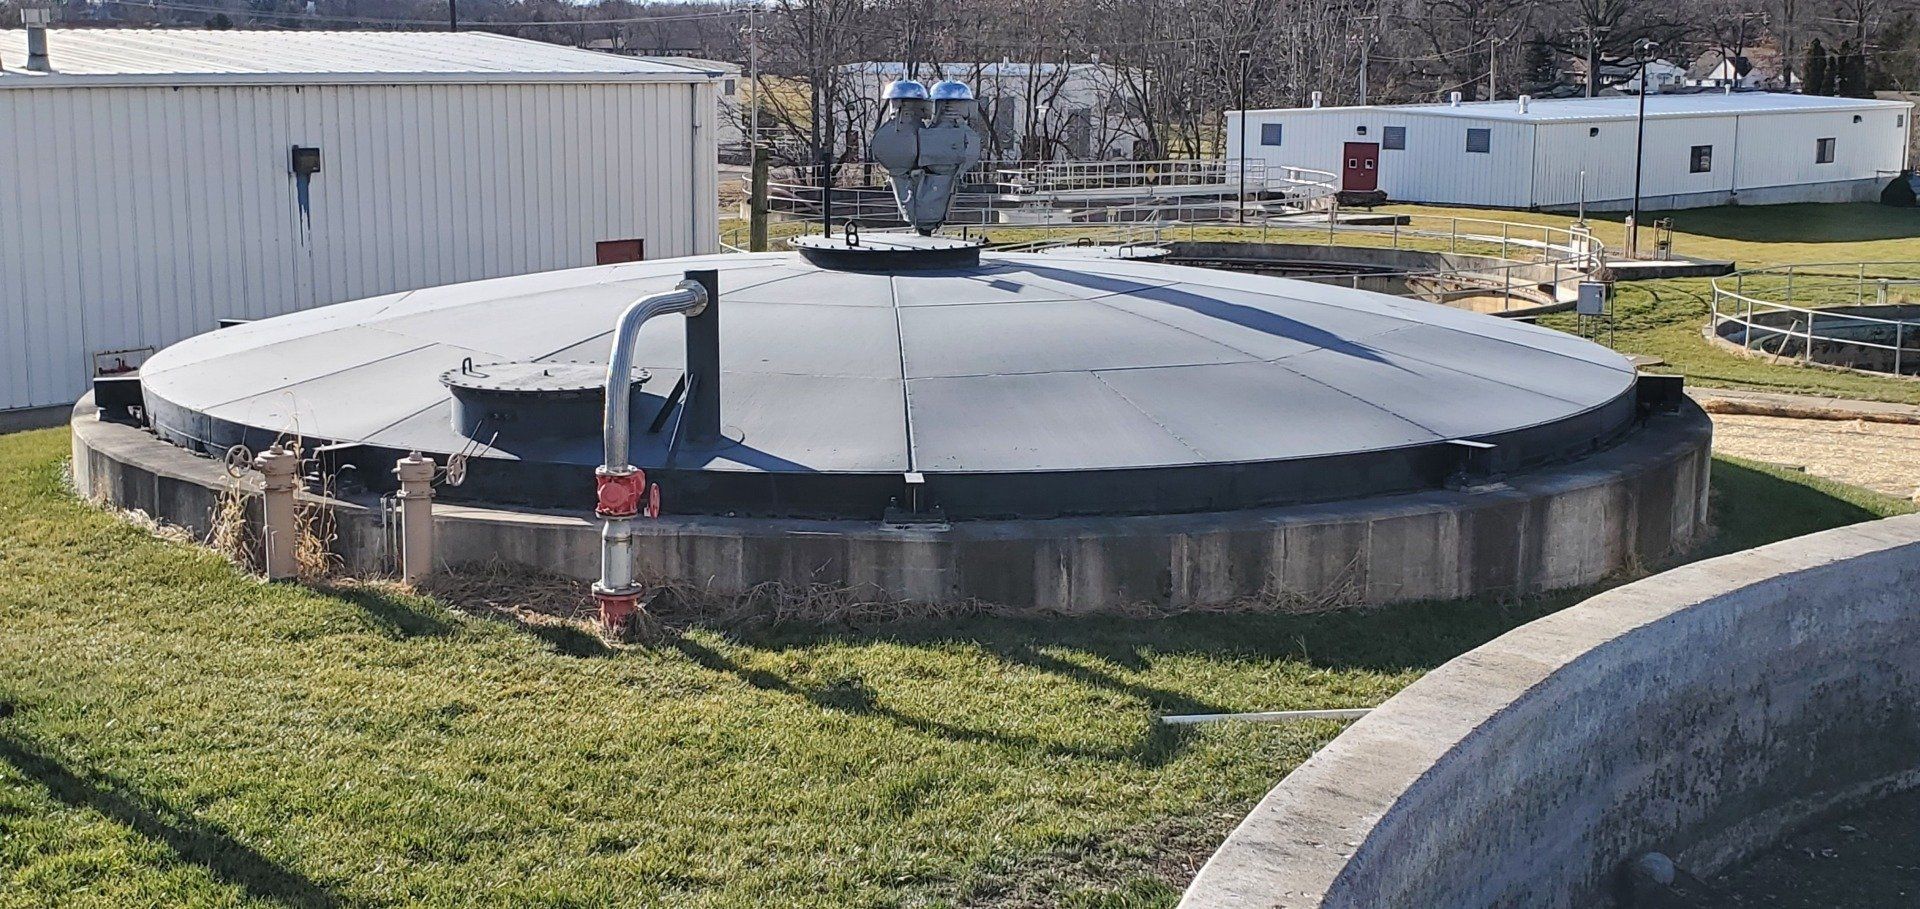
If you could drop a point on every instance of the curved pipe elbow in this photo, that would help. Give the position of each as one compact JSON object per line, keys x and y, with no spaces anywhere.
{"x":689,"y":297}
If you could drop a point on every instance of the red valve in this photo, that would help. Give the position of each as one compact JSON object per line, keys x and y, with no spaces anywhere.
{"x":617,"y":610}
{"x":617,"y":495}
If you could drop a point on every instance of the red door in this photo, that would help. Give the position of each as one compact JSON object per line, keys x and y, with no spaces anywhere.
{"x":1361,"y":172}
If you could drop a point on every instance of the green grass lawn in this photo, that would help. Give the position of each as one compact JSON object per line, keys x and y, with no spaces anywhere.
{"x":173,"y":732}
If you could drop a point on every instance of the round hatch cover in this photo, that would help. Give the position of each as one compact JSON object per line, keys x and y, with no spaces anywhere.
{"x":531,"y":378}
{"x":517,"y":401}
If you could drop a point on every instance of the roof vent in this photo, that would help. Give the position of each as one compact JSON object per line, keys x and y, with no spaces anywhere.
{"x":36,"y":19}
{"x":927,"y":147}
{"x":1453,"y":99}
{"x":1524,"y":101}
{"x":1316,"y":99}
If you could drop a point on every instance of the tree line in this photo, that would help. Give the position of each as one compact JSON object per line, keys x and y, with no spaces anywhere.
{"x":1176,"y":65}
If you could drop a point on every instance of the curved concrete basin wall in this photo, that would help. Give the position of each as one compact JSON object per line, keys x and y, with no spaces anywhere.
{"x":1694,"y":713}
{"x":1557,"y":527}
{"x":1861,"y":346}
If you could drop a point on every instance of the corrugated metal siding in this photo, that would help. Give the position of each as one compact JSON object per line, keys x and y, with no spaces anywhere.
{"x":139,"y":216}
{"x":1778,"y":149}
{"x":1565,"y":149}
{"x":1434,"y":167}
{"x":1749,"y":152}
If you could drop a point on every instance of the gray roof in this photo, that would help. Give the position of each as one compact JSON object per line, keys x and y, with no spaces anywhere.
{"x":1622,"y":107}
{"x":1025,"y":363}
{"x":125,"y":56}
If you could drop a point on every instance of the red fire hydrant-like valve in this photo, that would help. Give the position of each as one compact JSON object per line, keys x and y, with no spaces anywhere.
{"x":617,"y":609}
{"x":618,"y":495}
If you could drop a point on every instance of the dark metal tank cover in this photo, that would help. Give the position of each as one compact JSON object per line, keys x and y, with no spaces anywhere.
{"x":1031,"y":385}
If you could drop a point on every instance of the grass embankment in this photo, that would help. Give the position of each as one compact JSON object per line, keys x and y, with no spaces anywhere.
{"x":173,"y":732}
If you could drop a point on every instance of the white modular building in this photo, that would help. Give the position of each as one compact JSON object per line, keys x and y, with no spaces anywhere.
{"x":154,"y":182}
{"x":1700,"y":149}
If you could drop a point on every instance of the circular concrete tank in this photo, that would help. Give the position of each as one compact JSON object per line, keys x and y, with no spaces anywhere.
{"x":1029,"y":429}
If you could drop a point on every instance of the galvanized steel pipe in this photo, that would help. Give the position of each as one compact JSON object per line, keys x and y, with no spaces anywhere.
{"x":621,"y":490}
{"x":688,"y":296}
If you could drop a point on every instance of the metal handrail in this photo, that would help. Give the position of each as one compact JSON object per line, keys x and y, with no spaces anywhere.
{"x":992,"y":188}
{"x":1572,"y":255}
{"x":1738,"y":307}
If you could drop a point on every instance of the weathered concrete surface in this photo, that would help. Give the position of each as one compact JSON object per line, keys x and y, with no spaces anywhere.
{"x":1693,"y":713}
{"x":1801,"y":407}
{"x":1629,"y":504}
{"x":32,"y":417}
{"x":1676,"y":267}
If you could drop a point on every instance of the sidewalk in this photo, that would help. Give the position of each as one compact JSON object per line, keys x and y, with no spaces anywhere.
{"x":1802,"y":407}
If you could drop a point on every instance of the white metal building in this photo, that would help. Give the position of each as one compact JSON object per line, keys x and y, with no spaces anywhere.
{"x":1700,"y":150}
{"x":156,"y":181}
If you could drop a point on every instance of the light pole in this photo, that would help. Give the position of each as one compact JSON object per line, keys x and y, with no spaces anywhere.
{"x":1246,"y":63}
{"x":1646,"y":46}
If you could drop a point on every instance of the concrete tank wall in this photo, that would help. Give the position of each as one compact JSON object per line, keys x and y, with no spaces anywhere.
{"x":1696,"y":713}
{"x":1629,"y":504}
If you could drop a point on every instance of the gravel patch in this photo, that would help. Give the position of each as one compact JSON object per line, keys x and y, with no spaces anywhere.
{"x":1883,"y":457}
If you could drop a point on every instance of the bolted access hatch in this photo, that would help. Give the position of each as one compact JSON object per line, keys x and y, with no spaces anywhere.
{"x":529,"y":400}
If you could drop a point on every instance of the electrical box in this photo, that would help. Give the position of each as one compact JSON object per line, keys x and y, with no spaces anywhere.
{"x":305,"y":160}
{"x":1592,"y":300}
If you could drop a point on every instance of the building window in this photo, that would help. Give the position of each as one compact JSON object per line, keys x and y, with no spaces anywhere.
{"x":728,"y":88}
{"x":1899,"y":121}
{"x":1393,"y":137}
{"x":1269,"y":134}
{"x":1823,"y":151}
{"x":1700,"y":160}
{"x":1361,"y":130}
{"x":1480,"y":141}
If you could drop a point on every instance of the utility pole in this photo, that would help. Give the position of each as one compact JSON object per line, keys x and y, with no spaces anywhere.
{"x":753,"y":73}
{"x":822,"y":136}
{"x":1493,"y":69}
{"x":1365,"y":43}
{"x":453,"y":15}
{"x":1639,"y":150}
{"x":1367,"y":37}
{"x":1246,"y":65}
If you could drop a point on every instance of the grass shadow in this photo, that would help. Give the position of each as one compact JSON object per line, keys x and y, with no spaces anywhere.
{"x":396,"y":616}
{"x":1796,"y":222}
{"x":1157,"y":745}
{"x":225,"y":858}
